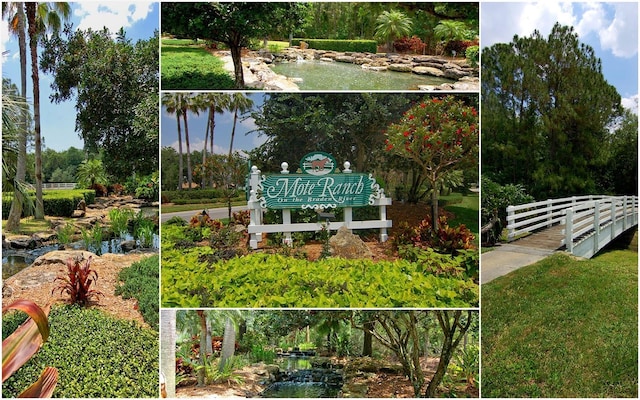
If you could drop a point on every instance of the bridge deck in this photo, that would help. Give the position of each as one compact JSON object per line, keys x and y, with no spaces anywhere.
{"x":547,"y":239}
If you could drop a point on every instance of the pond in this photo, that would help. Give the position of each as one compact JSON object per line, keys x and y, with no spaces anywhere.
{"x":14,"y":261}
{"x":302,"y":380}
{"x":319,"y":75}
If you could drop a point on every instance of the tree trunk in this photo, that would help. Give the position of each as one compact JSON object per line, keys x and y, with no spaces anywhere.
{"x":367,"y":347}
{"x":434,"y":206}
{"x":186,"y":139}
{"x":180,"y":161}
{"x":228,"y":344}
{"x":168,"y":350}
{"x":449,"y":344}
{"x":202,"y":372}
{"x":236,"y":56}
{"x":13,"y":221}
{"x":33,"y":45}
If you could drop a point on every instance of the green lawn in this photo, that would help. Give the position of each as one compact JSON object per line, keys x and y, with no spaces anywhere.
{"x":171,"y":208}
{"x":563,"y":328}
{"x":188,"y":65}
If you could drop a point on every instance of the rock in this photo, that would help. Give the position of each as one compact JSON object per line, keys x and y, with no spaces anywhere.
{"x":22,"y":242}
{"x":400,"y":67}
{"x":345,"y":59}
{"x":61,"y":257}
{"x":428,"y":71}
{"x":347,"y":245}
{"x":128,"y":245}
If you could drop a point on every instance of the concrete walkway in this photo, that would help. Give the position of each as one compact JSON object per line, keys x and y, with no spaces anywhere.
{"x":506,"y":258}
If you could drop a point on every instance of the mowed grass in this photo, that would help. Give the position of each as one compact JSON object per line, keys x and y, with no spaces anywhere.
{"x":186,"y":64}
{"x":466,"y":211}
{"x":563,"y":328}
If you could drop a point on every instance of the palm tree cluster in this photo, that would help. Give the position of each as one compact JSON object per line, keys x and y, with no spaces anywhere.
{"x":33,"y":19}
{"x":183,"y":103}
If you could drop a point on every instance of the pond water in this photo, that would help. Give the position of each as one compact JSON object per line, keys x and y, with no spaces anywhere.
{"x":14,"y":261}
{"x":302,"y":380}
{"x":318,"y":75}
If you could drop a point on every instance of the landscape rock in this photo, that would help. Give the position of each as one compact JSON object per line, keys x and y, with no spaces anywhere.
{"x":428,"y":71}
{"x":128,"y":245}
{"x":347,"y":245}
{"x":61,"y":257}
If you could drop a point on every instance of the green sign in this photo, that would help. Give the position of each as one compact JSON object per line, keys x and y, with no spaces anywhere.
{"x":321,"y":191}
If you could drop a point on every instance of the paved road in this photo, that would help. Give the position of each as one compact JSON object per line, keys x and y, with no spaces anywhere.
{"x":506,"y":258}
{"x":215,"y":213}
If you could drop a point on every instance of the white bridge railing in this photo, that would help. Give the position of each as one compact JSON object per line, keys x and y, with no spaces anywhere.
{"x":592,"y":225}
{"x":580,"y":214}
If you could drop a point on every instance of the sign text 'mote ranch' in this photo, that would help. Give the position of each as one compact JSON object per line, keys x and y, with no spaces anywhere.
{"x":308,"y":191}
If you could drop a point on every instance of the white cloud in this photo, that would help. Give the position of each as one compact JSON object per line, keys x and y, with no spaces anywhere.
{"x":198,"y":145}
{"x":621,"y":35}
{"x":631,"y":103}
{"x":112,"y":15}
{"x":4,"y":32}
{"x":500,"y":21}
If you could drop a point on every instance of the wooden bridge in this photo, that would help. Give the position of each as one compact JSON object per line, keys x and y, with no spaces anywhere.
{"x":581,"y":225}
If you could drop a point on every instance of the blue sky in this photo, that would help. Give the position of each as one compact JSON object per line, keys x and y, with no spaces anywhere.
{"x":139,"y":20}
{"x":610,"y":28}
{"x":222,"y":133}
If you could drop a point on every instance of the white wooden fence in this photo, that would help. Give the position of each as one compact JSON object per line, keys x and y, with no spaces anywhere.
{"x":588,"y":219}
{"x":526,"y":218}
{"x":591,"y":225}
{"x":257,"y":227}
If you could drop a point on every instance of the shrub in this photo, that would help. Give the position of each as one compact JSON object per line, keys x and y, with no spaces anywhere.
{"x":498,"y":197}
{"x":263,"y":280}
{"x":241,"y":218}
{"x":446,"y":239}
{"x":473,"y":55}
{"x":359,"y":46}
{"x":98,"y":356}
{"x":140,"y":281}
{"x":65,"y":233}
{"x":77,"y":282}
{"x":406,"y":44}
{"x":148,"y":188}
{"x":57,"y":203}
{"x":120,"y":220}
{"x":99,"y":189}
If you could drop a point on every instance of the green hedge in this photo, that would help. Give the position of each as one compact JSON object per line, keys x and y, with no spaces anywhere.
{"x":188,"y":196}
{"x":57,"y":203}
{"x":359,"y":46}
{"x":263,"y":280}
{"x":140,"y":280}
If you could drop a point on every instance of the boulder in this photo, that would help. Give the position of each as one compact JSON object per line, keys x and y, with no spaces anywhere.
{"x":22,"y":242}
{"x":347,"y":245}
{"x":400,"y":67}
{"x":345,"y":59}
{"x":61,"y":257}
{"x":428,"y":71}
{"x":128,"y":245}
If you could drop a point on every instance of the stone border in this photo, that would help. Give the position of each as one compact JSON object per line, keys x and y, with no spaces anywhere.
{"x":258,"y":75}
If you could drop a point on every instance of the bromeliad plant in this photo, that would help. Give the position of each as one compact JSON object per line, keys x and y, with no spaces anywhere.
{"x":22,"y":344}
{"x":77,"y":282}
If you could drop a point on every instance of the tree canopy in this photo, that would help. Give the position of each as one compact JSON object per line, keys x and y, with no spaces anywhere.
{"x":234,"y":24}
{"x":547,"y":111}
{"x":115,"y":83}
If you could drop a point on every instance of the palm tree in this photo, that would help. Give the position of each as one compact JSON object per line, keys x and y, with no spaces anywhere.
{"x":91,"y":172}
{"x":15,"y":13}
{"x":186,"y":103}
{"x":213,"y":103}
{"x":41,"y":17}
{"x":448,"y":30}
{"x":392,"y":25}
{"x":239,"y":102}
{"x":171,"y":103}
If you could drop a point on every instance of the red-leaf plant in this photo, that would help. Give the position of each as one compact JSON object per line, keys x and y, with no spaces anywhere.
{"x":78,"y":280}
{"x":23,"y":343}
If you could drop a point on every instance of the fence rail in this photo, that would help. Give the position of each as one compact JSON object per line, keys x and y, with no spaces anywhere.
{"x":592,"y":225}
{"x":590,"y":221}
{"x":527,"y":218}
{"x":59,"y":185}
